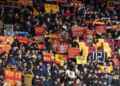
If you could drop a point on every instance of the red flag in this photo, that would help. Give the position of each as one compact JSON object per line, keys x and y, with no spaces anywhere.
{"x":100,"y":28}
{"x":73,"y":52}
{"x":41,"y":46}
{"x":24,"y":2}
{"x":39,"y":30}
{"x":22,"y":39}
{"x":76,"y":31}
{"x":47,"y":57}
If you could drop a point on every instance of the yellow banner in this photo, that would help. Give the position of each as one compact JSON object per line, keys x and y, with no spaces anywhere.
{"x":51,"y":8}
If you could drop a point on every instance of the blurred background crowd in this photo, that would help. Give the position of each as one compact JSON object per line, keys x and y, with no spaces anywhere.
{"x":60,"y":43}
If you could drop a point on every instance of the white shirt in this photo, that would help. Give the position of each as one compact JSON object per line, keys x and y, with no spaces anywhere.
{"x":71,"y":74}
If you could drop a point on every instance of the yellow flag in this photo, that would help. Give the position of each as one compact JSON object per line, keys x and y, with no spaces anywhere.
{"x":105,"y":69}
{"x":51,"y":8}
{"x":59,"y":59}
{"x":81,"y":60}
{"x":107,"y":49}
{"x":84,"y":48}
{"x":35,"y":12}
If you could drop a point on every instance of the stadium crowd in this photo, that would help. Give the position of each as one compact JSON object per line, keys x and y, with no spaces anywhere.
{"x":31,"y":39}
